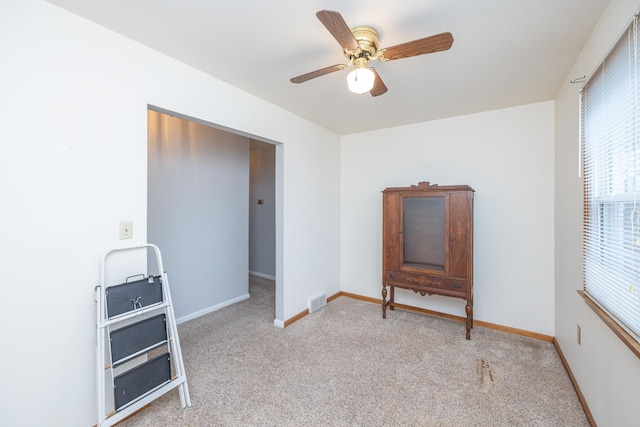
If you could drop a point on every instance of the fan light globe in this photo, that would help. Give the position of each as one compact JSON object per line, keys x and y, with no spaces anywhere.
{"x":361,"y":80}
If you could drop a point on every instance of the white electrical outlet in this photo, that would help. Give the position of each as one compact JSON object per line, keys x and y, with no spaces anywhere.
{"x":126,"y":230}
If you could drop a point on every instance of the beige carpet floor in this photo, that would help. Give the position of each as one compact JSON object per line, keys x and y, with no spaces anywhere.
{"x":343,"y":365}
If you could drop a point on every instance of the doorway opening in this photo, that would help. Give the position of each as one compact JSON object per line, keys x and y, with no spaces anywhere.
{"x":198,"y":211}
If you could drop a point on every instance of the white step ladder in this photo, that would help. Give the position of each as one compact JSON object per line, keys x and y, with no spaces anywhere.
{"x":137,"y":348}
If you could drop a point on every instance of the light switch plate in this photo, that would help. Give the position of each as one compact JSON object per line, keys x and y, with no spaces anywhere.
{"x":126,"y":230}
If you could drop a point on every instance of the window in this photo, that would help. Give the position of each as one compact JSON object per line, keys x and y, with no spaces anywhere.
{"x":611,"y":167}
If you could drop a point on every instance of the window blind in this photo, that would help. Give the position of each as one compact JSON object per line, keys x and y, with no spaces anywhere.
{"x":611,"y":167}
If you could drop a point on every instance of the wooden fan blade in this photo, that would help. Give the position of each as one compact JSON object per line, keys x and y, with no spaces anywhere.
{"x":318,"y":73}
{"x":430,"y":44}
{"x":339,"y":29}
{"x":379,"y":88}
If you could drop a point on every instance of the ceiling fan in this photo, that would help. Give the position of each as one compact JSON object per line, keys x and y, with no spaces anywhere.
{"x":360,"y":45}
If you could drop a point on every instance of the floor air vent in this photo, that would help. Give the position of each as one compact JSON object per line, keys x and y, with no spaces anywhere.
{"x":317,"y":302}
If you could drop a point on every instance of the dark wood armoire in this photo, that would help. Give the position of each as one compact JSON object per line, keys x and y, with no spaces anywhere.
{"x":428,"y":243}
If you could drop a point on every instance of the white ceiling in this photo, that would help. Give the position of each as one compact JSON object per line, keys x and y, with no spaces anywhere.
{"x":505,"y":52}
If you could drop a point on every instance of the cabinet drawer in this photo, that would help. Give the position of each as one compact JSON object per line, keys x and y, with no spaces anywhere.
{"x":426,"y":283}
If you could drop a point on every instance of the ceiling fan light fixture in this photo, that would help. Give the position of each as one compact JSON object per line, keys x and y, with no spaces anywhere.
{"x":361,"y":79}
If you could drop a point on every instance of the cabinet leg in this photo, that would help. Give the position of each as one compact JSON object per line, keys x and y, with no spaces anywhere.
{"x":469,"y":310}
{"x":384,"y":302}
{"x":392,"y":299}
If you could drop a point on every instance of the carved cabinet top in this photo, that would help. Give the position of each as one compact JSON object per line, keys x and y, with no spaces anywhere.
{"x":427,"y":186}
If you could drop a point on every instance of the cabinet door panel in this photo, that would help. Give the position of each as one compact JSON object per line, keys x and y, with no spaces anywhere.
{"x":424,"y":232}
{"x":460,"y":223}
{"x":392,"y":223}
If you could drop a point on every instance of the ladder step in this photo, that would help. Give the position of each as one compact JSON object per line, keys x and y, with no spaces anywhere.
{"x":132,"y":296}
{"x":141,"y":380}
{"x":132,"y":339}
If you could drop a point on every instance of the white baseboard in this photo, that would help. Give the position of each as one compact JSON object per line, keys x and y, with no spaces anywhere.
{"x":211,"y":309}
{"x":264,"y":276}
{"x":278,"y":323}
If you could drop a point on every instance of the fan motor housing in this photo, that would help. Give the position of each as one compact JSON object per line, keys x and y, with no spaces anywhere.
{"x":367,"y":38}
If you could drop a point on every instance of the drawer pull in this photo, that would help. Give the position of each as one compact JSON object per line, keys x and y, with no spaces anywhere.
{"x":393,"y":276}
{"x":457,"y":286}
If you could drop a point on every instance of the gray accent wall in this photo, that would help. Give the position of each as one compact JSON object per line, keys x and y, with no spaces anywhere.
{"x":262,"y":209}
{"x":198,"y":192}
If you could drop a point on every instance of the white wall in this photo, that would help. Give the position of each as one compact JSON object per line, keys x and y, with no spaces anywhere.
{"x":605,"y":369}
{"x":506,"y":156}
{"x":198,"y":213}
{"x":262,"y":217}
{"x":73,"y":113}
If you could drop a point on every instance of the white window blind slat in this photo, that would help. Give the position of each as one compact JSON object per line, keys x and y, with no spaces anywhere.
{"x":610,"y":126}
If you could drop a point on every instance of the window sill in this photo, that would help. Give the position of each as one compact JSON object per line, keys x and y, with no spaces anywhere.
{"x":627,"y":339}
